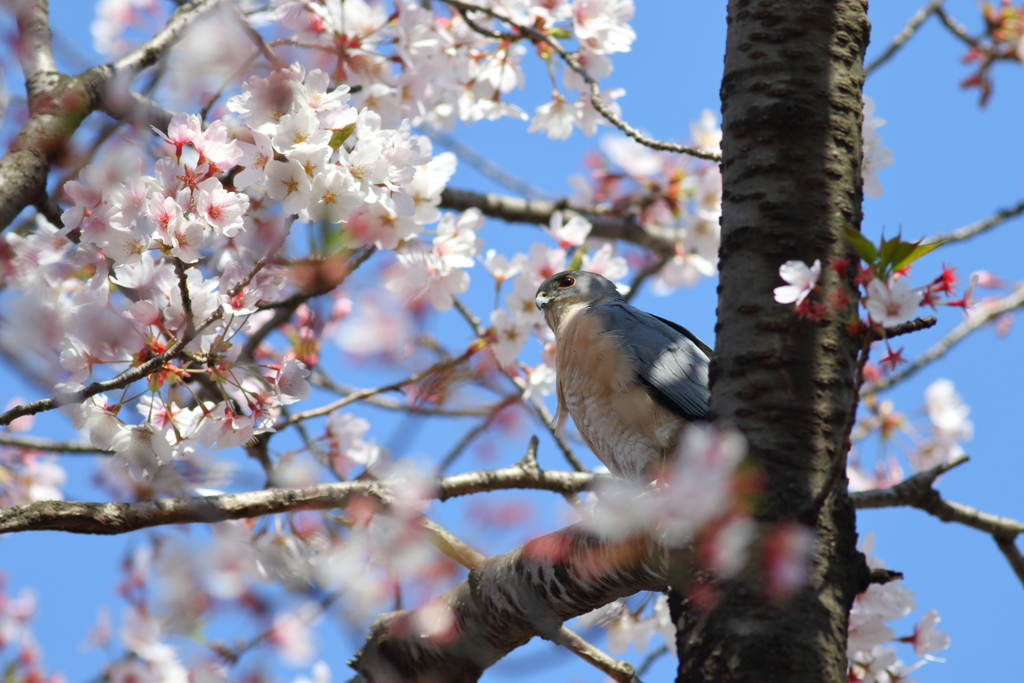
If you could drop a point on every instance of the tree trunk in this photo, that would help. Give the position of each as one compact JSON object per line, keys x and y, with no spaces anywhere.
{"x":792,"y":113}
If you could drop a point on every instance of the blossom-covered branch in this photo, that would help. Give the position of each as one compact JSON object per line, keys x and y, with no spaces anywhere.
{"x":595,"y":87}
{"x":119,"y":382}
{"x":977,"y":318}
{"x":26,"y":163}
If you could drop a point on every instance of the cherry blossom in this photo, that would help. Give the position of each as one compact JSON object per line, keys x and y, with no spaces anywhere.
{"x":573,"y":232}
{"x":876,"y":157}
{"x":140,"y":448}
{"x":802,"y":281}
{"x":556,"y":118}
{"x":512,"y":334}
{"x":889,"y":306}
{"x":926,"y":637}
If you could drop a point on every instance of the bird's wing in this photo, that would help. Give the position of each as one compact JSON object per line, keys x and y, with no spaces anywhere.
{"x":670,"y":360}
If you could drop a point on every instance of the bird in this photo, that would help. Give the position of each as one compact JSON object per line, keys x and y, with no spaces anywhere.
{"x":629,"y":379}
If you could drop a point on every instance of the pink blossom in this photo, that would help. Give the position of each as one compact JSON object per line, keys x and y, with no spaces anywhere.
{"x":255,"y":157}
{"x":500,"y":267}
{"x":220,"y":209}
{"x":512,"y":333}
{"x":889,"y":306}
{"x":457,"y":242}
{"x":333,"y":196}
{"x":876,"y":156}
{"x":140,"y":448}
{"x":216,"y":147}
{"x":291,"y":383}
{"x":601,"y":24}
{"x":802,"y":281}
{"x":572,"y":233}
{"x":289,"y":182}
{"x":926,"y":637}
{"x":556,"y":118}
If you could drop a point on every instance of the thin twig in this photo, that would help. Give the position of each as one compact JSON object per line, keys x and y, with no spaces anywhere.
{"x":471,"y":436}
{"x":542,"y":412}
{"x":903,"y":36}
{"x":51,"y":445}
{"x":257,"y":39}
{"x":641,"y":277}
{"x":442,"y":366}
{"x":956,"y":28}
{"x":186,"y":298}
{"x":909,"y":327}
{"x":651,"y":659}
{"x":152,"y":50}
{"x":978,"y":226}
{"x":977,"y":318}
{"x":1008,"y":546}
{"x":237,"y":74}
{"x":321,"y":380}
{"x":483,"y":164}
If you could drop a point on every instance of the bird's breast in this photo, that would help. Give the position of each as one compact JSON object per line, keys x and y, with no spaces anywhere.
{"x":614,"y":413}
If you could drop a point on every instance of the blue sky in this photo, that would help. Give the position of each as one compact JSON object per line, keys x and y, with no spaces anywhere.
{"x":955,"y":163}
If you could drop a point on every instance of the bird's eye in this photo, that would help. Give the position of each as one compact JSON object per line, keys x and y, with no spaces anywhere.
{"x":567,"y":281}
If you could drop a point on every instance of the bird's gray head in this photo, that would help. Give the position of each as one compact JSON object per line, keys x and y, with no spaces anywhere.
{"x":573,"y":289}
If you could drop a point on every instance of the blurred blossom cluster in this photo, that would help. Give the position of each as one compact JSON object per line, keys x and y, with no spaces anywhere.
{"x":704,"y":499}
{"x":935,"y":442}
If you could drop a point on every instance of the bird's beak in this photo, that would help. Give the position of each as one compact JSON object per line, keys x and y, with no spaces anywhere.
{"x":542,"y":300}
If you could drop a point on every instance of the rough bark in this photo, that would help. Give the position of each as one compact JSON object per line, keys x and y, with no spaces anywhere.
{"x":791,"y":103}
{"x":507,"y":600}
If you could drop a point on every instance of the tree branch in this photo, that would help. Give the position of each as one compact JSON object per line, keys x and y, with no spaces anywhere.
{"x":446,"y":364}
{"x":976,"y":319}
{"x":119,"y":518}
{"x":538,"y":211}
{"x":34,"y":47}
{"x":956,"y":28}
{"x":468,"y":557}
{"x":507,"y":600}
{"x":909,"y":327}
{"x":50,"y":445}
{"x":903,"y":36}
{"x":153,"y":49}
{"x":918,"y":491}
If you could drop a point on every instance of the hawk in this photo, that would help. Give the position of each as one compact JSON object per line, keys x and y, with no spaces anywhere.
{"x":629,"y":379}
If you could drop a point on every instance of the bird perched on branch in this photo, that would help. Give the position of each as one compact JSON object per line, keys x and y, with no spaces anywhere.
{"x":630,"y":380}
